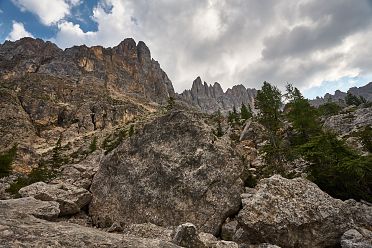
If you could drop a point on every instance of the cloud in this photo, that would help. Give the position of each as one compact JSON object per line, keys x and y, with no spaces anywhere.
{"x":49,"y":11}
{"x":304,"y":42}
{"x":18,"y":32}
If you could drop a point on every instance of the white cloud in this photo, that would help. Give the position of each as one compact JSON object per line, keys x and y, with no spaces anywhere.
{"x":18,"y":31}
{"x":303,"y":42}
{"x":49,"y":11}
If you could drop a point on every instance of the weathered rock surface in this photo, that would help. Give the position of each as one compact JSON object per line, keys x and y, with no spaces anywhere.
{"x":128,"y":65}
{"x":149,"y":230}
{"x":344,"y":124}
{"x":31,"y":206}
{"x":186,"y":235}
{"x":172,"y":171}
{"x":81,"y":174}
{"x":210,"y":99}
{"x":229,"y":229}
{"x":357,"y":239}
{"x":18,"y":228}
{"x":70,"y":198}
{"x":253,"y":131}
{"x":294,"y":213}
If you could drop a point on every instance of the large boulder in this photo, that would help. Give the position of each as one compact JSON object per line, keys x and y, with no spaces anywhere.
{"x":70,"y":198}
{"x":172,"y":171}
{"x":293,"y":213}
{"x":20,"y":228}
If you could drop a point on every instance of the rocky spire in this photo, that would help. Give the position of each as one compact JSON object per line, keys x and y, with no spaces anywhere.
{"x":211,"y":98}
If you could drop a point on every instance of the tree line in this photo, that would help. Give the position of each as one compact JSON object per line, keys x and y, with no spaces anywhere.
{"x":294,"y":131}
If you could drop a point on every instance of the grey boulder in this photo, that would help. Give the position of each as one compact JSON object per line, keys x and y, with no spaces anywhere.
{"x":172,"y":171}
{"x":70,"y":198}
{"x":293,"y":213}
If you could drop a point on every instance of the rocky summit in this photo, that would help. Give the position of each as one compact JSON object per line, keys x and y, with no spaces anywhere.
{"x":97,"y":150}
{"x":211,"y":98}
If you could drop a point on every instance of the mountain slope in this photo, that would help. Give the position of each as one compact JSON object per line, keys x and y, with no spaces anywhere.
{"x":50,"y":95}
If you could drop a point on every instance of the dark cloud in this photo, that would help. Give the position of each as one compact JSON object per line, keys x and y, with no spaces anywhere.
{"x":330,"y":23}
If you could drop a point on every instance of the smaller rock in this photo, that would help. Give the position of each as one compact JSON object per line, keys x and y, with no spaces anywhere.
{"x":357,"y":239}
{"x":149,"y":230}
{"x":253,"y":131}
{"x":70,"y":198}
{"x":226,"y":244}
{"x":263,"y":245}
{"x":266,"y":245}
{"x":29,"y":205}
{"x":208,"y":239}
{"x":229,"y":229}
{"x":186,"y":235}
{"x":115,"y":227}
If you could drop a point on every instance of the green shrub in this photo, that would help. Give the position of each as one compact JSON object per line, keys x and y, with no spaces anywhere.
{"x":251,"y":181}
{"x":329,"y":109}
{"x":40,"y":174}
{"x":93,"y":145}
{"x":6,"y":160}
{"x":337,"y":169}
{"x":113,"y":141}
{"x":131,"y":130}
{"x":170,"y":103}
{"x":351,"y":99}
{"x":366,"y":136}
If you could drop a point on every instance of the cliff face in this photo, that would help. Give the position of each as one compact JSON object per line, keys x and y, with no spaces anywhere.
{"x":211,"y":98}
{"x":128,"y":66}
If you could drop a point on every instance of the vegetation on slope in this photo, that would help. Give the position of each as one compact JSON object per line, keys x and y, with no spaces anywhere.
{"x":335,"y":167}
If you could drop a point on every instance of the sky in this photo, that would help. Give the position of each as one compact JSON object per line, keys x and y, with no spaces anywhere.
{"x":316,"y":45}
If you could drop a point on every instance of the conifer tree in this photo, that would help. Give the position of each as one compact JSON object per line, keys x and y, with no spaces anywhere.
{"x":245,"y":112}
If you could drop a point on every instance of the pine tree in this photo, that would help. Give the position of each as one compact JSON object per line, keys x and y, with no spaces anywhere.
{"x":245,"y":112}
{"x":268,"y":102}
{"x":301,"y":114}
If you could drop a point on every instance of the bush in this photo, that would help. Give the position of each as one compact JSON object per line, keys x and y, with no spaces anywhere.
{"x":6,"y":160}
{"x":329,"y":109}
{"x":113,"y":141}
{"x":219,"y":119}
{"x":93,"y":145}
{"x":131,"y":131}
{"x":40,"y":174}
{"x":351,"y":99}
{"x":366,"y":136}
{"x":170,"y":103}
{"x":337,"y":169}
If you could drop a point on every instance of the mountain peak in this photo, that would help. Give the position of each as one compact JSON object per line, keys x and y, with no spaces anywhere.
{"x":128,"y":65}
{"x":210,"y":98}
